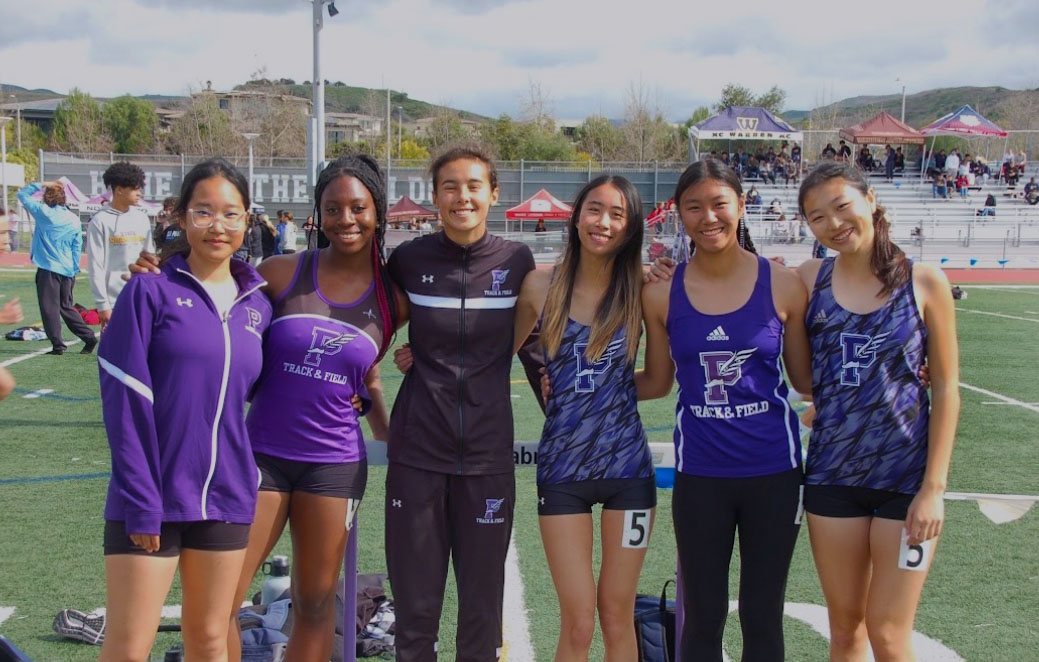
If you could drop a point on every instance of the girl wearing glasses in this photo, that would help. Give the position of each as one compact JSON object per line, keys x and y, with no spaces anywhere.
{"x":177,"y":361}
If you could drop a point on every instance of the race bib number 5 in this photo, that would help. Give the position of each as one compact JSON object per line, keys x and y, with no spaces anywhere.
{"x":636,"y":529}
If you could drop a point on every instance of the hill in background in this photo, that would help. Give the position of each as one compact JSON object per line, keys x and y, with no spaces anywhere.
{"x":1015,"y":109}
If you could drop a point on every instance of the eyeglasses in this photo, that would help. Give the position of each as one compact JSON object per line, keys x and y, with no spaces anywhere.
{"x":203,"y":219}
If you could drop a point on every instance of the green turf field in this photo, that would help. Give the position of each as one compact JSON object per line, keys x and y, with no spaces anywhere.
{"x":982,"y":599}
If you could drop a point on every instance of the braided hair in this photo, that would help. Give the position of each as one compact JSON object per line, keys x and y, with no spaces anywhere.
{"x":366,"y":170}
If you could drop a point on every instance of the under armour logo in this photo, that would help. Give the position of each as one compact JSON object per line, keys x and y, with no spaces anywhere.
{"x":370,"y":314}
{"x":541,"y":501}
{"x":427,"y":278}
{"x":185,"y":302}
{"x":396,"y":503}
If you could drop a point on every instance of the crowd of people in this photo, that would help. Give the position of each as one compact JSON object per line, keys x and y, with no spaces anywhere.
{"x":765,"y":165}
{"x":203,"y":484}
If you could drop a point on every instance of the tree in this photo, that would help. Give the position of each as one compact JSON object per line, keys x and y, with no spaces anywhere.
{"x":203,"y":129}
{"x":78,"y":125}
{"x":601,"y":139}
{"x":648,"y":136}
{"x":737,"y":95}
{"x":132,"y":123}
{"x":445,"y":128}
{"x":410,"y":150}
{"x":33,"y":137}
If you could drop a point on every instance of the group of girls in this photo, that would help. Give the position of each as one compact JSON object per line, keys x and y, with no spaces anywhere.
{"x":730,"y":326}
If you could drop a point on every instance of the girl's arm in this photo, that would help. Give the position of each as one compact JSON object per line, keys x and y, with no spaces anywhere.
{"x":656,"y":378}
{"x":378,"y":417}
{"x":529,"y":304}
{"x":927,"y":512}
{"x":128,"y":410}
{"x":791,"y":302}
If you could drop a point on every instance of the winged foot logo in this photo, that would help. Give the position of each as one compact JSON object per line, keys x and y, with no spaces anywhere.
{"x":493,"y":506}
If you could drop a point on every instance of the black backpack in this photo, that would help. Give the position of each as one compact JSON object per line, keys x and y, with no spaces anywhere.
{"x":655,"y":627}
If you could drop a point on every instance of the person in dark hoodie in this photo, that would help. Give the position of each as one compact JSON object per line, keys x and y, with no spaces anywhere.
{"x":178,"y":359}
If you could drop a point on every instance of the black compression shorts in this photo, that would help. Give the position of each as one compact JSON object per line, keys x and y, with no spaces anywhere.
{"x":613,"y":493}
{"x":345,"y":480}
{"x":208,"y":535}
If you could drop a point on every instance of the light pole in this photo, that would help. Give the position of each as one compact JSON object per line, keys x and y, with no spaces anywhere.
{"x":249,"y":138}
{"x":3,"y":157}
{"x":318,"y":156}
{"x":899,"y":80}
{"x":400,"y":122}
{"x":18,"y":125}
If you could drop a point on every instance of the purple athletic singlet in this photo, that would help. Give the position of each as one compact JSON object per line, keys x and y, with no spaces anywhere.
{"x":315,"y":359}
{"x":733,"y":419}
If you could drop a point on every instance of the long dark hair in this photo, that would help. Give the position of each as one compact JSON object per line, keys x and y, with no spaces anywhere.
{"x":621,"y":305}
{"x":216,"y":167}
{"x":710,"y":168}
{"x":366,"y":170}
{"x":887,"y":261}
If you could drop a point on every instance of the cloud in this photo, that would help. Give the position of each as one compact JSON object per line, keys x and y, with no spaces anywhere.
{"x":248,"y":6}
{"x":476,"y":7}
{"x":33,"y":26}
{"x":544,"y":59}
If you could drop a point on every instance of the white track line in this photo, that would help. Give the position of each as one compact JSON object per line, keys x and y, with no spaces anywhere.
{"x":1009,"y":317}
{"x":1009,"y":403}
{"x":970,"y":496}
{"x":998,"y":396}
{"x":516,"y":626}
{"x":37,"y":394}
{"x":1000,"y":287}
{"x":6,"y":613}
{"x":26,"y":357}
{"x":1009,"y":290}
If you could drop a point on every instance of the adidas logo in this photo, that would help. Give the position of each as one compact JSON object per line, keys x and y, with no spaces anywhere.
{"x":717,"y":334}
{"x":820,"y":317}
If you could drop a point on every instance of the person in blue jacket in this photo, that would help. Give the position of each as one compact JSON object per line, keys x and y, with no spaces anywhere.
{"x":177,"y":362}
{"x":56,"y":247}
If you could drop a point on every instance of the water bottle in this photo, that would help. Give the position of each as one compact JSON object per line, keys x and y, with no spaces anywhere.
{"x":277,"y":581}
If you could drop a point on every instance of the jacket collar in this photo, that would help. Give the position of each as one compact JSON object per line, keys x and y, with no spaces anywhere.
{"x":476,"y":247}
{"x":243,"y":273}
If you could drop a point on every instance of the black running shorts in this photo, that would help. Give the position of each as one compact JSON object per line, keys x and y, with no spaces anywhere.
{"x":613,"y":493}
{"x":345,"y":480}
{"x":208,"y":535}
{"x":850,"y":501}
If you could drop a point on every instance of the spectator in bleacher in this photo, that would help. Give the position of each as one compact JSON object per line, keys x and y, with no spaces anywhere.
{"x":952,"y":164}
{"x":754,"y":199}
{"x":941,"y":187}
{"x":775,"y":209}
{"x":900,"y":161}
{"x":889,"y":163}
{"x":1032,"y":192}
{"x":795,"y":154}
{"x":767,"y":171}
{"x":939,"y":160}
{"x":844,"y":152}
{"x":783,"y":153}
{"x":1009,"y":173}
{"x":725,"y":158}
{"x":865,"y":159}
{"x":745,"y":158}
{"x":771,"y":155}
{"x":791,"y":173}
{"x":828,"y":152}
{"x":962,"y":186}
{"x":753,"y":171}
{"x":1022,"y":163}
{"x":990,"y":206}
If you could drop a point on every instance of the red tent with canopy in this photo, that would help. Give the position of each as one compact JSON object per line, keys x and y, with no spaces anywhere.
{"x":882,"y":129}
{"x":407,"y":209}
{"x":541,"y":205}
{"x":964,"y":122}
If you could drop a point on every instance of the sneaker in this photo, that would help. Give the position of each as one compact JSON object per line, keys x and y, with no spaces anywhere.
{"x":76,"y":625}
{"x":57,"y":351}
{"x":89,"y":345}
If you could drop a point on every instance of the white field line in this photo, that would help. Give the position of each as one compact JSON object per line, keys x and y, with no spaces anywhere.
{"x":516,"y":626}
{"x":1032,"y":312}
{"x":1009,"y":317}
{"x":1009,"y":403}
{"x":26,"y":357}
{"x":6,"y":613}
{"x":971,"y":496}
{"x":37,"y":394}
{"x":998,"y":396}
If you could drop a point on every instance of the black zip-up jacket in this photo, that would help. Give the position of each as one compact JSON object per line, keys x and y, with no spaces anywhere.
{"x":453,"y":413}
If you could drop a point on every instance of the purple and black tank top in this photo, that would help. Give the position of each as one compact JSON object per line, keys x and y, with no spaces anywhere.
{"x":872,"y":410}
{"x":733,"y":419}
{"x":592,"y":427}
{"x":315,"y":359}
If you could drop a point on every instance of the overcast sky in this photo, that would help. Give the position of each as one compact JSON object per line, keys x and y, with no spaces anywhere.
{"x":481,"y":55}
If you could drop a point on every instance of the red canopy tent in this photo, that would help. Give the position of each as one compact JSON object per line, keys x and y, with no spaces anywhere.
{"x":964,"y":122}
{"x":541,"y":205}
{"x":407,"y":209}
{"x":883,"y":129}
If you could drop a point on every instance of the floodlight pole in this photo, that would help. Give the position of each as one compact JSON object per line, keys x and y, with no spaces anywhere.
{"x":319,"y":92}
{"x":3,"y":157}
{"x":250,"y":137}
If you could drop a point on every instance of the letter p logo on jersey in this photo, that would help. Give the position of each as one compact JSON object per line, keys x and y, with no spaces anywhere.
{"x":492,"y":508}
{"x":326,"y":342}
{"x":857,"y":352}
{"x":722,"y":369}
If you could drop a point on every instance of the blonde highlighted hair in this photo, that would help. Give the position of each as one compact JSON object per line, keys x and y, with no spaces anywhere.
{"x":621,"y":305}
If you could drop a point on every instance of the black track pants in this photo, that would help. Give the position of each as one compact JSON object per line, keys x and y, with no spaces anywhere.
{"x":431,"y":517}
{"x":707,"y":513}
{"x":54,"y":293}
